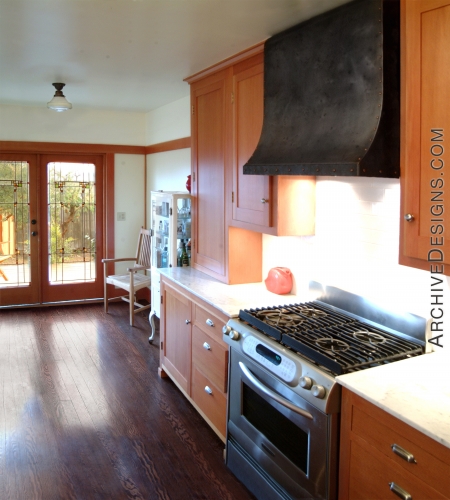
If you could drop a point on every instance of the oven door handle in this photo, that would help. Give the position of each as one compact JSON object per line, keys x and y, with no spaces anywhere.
{"x":272,"y":394}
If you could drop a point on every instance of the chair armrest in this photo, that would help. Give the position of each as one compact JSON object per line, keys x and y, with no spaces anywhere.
{"x":118,"y":260}
{"x":137,"y":268}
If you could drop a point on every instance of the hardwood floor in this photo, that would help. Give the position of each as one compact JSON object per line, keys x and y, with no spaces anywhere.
{"x":84,"y":414}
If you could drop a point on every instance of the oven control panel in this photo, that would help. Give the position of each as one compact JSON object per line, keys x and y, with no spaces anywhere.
{"x":280,"y":365}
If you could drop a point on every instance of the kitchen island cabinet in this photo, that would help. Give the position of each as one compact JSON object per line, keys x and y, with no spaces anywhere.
{"x":230,"y":210}
{"x":193,"y":353}
{"x":424,"y":233}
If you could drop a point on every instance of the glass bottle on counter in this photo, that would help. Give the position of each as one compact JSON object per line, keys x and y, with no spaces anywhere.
{"x":184,"y":256}
{"x":188,"y":250}
{"x":164,"y":257}
{"x":180,"y":254}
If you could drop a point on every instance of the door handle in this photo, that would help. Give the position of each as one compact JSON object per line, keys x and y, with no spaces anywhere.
{"x":272,"y":394}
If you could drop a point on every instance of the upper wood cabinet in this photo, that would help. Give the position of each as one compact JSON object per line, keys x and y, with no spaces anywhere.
{"x":277,"y":205}
{"x":231,"y":210}
{"x":424,"y":242}
{"x":232,"y":255}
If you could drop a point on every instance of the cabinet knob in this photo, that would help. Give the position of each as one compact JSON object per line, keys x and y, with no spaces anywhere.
{"x":400,"y":492}
{"x":210,"y":322}
{"x":206,"y":346}
{"x":208,"y":390}
{"x":33,"y":233}
{"x":264,"y":200}
{"x":188,"y":321}
{"x":409,"y":217}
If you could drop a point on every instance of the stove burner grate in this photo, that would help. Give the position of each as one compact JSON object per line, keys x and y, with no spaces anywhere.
{"x":328,"y":337}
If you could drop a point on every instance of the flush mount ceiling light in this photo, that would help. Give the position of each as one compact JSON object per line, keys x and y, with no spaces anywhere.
{"x":59,"y":102}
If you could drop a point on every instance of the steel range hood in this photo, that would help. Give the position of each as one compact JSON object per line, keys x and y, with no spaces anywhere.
{"x":332,"y":95}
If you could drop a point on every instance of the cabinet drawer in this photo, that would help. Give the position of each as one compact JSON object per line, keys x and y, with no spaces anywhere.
{"x":209,"y":323}
{"x":383,"y":435}
{"x":371,"y":474}
{"x":210,"y":357}
{"x":209,"y":399}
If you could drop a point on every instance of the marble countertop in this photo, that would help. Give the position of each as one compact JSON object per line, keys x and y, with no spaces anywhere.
{"x":228,"y":298}
{"x":415,"y":390}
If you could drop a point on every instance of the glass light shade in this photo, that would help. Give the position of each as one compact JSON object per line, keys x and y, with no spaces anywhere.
{"x":59,"y":103}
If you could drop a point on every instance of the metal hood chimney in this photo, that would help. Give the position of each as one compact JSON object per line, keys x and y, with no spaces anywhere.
{"x":332,"y":95}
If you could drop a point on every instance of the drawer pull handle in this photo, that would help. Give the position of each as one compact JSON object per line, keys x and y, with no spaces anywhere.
{"x":402,"y":453}
{"x":208,"y":390}
{"x":400,"y":492}
{"x":210,"y":322}
{"x":206,"y":346}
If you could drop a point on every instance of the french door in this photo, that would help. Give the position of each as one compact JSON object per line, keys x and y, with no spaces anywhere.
{"x":51,"y":214}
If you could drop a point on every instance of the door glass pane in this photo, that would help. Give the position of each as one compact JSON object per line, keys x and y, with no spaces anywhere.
{"x":14,"y":224}
{"x":71,"y":222}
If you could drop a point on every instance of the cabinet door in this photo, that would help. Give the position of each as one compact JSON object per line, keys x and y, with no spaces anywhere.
{"x":252,"y":197}
{"x":176,"y":352}
{"x":209,"y":182}
{"x":426,"y":134}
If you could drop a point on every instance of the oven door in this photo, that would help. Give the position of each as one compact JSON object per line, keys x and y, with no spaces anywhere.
{"x":279,"y":433}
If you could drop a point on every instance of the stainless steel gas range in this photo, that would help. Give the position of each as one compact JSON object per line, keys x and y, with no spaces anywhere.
{"x":284,"y":401}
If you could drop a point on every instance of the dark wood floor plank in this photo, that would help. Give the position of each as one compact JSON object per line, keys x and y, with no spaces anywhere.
{"x":49,"y":421}
{"x":4,"y":367}
{"x":95,"y":419}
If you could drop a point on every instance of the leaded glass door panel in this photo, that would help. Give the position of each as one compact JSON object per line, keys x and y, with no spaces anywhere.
{"x":72,"y":235}
{"x":19,"y":248}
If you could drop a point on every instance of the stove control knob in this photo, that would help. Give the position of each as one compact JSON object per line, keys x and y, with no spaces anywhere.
{"x":233,"y":334}
{"x":306,"y":383}
{"x":318,"y":391}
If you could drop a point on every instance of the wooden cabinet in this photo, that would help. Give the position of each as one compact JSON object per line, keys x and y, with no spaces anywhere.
{"x":176,"y":346}
{"x":231,"y":210}
{"x":380,"y":453}
{"x":193,"y":353}
{"x":424,"y":243}
{"x":278,"y":205}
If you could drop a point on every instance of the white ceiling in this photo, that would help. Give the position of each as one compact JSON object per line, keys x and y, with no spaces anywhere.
{"x":129,"y":54}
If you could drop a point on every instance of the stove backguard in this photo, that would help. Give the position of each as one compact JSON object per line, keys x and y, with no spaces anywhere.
{"x":403,"y":324}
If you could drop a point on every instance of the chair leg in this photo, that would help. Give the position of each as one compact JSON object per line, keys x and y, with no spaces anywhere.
{"x":132,"y":298}
{"x":105,"y":288}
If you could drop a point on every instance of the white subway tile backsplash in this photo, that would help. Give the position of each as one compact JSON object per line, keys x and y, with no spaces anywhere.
{"x":356,"y":245}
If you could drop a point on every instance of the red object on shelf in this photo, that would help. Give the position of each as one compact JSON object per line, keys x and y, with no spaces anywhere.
{"x":188,"y":183}
{"x":279,"y":280}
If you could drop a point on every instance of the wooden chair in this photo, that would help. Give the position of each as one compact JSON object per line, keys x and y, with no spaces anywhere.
{"x":133,"y":281}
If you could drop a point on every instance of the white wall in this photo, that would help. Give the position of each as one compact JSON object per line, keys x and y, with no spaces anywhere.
{"x":129,"y":197}
{"x":26,"y":123}
{"x":169,"y":170}
{"x":169,"y":122}
{"x":356,"y":247}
